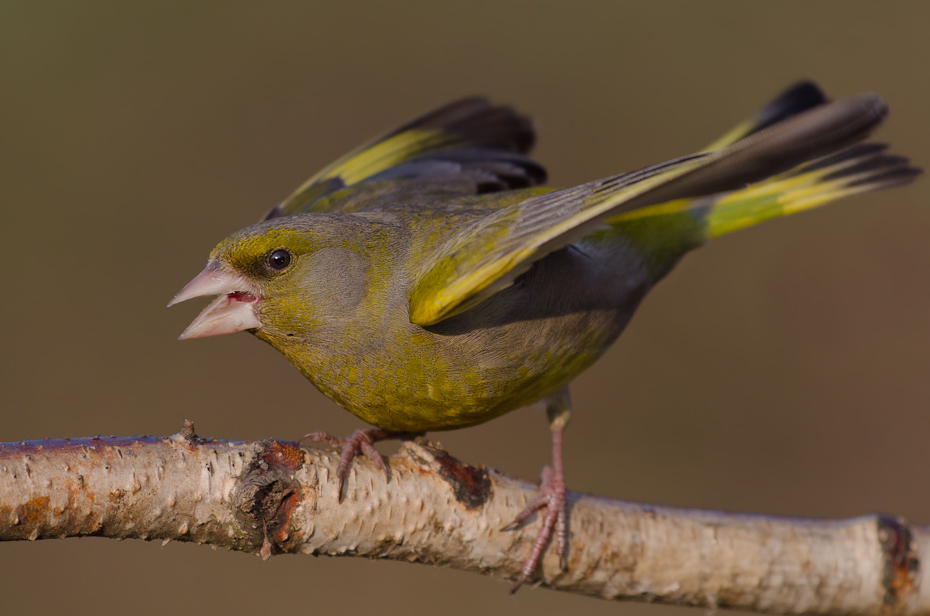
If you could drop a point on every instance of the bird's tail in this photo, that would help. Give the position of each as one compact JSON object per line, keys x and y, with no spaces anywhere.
{"x":664,"y":232}
{"x":861,"y":168}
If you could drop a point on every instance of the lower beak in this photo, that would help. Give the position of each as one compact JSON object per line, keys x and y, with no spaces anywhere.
{"x":235,"y":310}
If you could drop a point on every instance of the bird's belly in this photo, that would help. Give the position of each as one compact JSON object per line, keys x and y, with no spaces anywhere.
{"x":436,"y":384}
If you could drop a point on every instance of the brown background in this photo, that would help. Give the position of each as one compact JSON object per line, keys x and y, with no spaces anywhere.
{"x":782,"y":369}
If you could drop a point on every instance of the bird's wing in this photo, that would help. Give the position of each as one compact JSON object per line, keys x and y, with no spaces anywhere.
{"x":470,"y":146}
{"x":490,"y":254}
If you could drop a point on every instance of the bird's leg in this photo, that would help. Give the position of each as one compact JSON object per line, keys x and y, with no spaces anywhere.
{"x":360,"y":441}
{"x":551,"y":493}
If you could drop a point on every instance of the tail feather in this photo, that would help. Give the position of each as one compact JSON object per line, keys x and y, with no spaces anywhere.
{"x":666,"y":231}
{"x":860,"y":168}
{"x":857,"y":169}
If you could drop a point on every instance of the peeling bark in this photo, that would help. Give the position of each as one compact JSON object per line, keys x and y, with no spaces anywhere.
{"x":275,"y":497}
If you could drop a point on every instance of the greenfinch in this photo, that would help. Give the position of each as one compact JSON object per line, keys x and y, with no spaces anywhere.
{"x":426,"y":281}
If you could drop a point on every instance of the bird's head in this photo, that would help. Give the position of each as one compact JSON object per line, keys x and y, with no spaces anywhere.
{"x":261,"y":276}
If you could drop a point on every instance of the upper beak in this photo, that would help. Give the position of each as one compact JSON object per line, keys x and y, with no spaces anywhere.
{"x":235,"y":309}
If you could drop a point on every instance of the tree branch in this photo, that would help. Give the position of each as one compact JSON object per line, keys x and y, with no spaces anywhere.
{"x":274,"y":497}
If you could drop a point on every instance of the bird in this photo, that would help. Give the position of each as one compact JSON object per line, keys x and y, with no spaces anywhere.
{"x":428,"y":281}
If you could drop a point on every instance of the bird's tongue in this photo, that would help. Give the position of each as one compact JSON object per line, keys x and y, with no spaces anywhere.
{"x":241,"y":296}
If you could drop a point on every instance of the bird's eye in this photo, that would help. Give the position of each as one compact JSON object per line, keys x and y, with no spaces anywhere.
{"x":279,"y":259}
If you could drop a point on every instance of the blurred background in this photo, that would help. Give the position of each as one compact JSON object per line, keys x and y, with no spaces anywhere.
{"x":782,"y":369}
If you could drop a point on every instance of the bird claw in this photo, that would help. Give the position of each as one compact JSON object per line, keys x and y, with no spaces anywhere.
{"x":359,"y":442}
{"x":552,"y":497}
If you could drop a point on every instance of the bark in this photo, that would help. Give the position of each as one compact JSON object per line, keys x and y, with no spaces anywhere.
{"x":273,"y":497}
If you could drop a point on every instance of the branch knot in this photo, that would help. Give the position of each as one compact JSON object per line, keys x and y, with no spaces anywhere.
{"x":269,"y":493}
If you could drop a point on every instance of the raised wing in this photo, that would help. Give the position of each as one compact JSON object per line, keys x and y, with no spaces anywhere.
{"x":488,"y":256}
{"x":470,"y":146}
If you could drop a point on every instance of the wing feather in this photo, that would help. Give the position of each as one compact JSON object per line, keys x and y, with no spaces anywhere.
{"x":488,"y":256}
{"x":469,"y":146}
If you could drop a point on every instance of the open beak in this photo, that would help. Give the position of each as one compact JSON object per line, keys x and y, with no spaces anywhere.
{"x":235,"y":309}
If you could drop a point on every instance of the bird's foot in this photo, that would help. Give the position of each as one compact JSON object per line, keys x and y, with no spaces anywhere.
{"x":360,"y":441}
{"x":552,"y":497}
